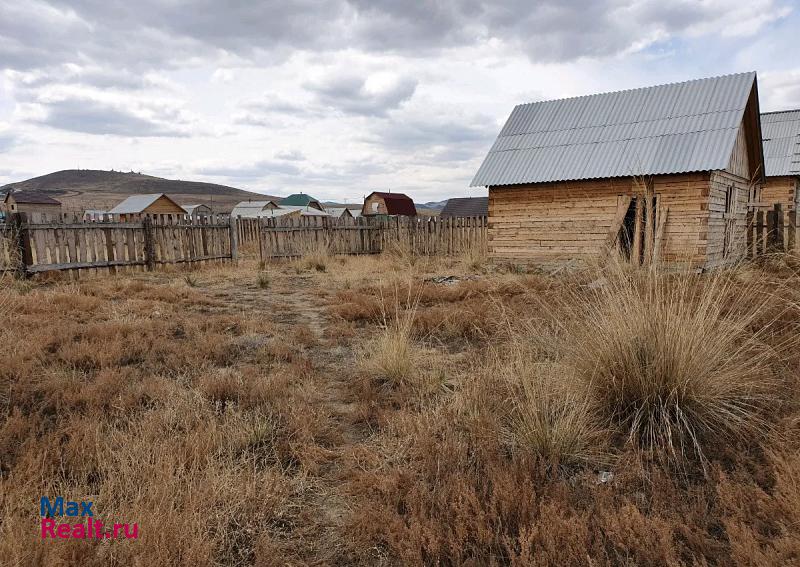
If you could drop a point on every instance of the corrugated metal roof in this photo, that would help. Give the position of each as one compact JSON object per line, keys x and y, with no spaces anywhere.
{"x":781,"y":134}
{"x":251,"y":208}
{"x":137,"y":203}
{"x":674,"y":128}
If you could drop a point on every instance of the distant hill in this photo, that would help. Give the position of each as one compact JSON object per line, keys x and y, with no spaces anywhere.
{"x":80,"y":189}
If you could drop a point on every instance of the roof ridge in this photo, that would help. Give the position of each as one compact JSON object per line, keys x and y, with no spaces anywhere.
{"x":638,"y":88}
{"x":781,"y":111}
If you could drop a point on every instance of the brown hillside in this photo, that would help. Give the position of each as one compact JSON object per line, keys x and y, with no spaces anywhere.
{"x":80,"y":189}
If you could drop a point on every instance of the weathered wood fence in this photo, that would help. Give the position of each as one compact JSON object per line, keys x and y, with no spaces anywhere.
{"x":432,"y":236}
{"x":36,"y":243}
{"x":247,"y":230}
{"x":770,"y":231}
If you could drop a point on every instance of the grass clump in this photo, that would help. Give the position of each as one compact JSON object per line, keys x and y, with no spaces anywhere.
{"x":553,"y":417}
{"x":263,"y":280}
{"x":316,"y":256}
{"x":677,"y":362}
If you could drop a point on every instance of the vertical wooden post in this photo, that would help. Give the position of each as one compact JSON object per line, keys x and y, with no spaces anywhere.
{"x":149,"y":244}
{"x":749,"y":224}
{"x":772,"y":232}
{"x":779,"y":242}
{"x":234,"y":240}
{"x":760,"y":243}
{"x":20,"y":243}
{"x":791,"y":231}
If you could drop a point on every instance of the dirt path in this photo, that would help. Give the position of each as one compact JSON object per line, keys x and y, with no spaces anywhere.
{"x":290,"y":302}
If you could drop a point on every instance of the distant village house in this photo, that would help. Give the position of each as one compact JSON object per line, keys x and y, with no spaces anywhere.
{"x":156,"y":205}
{"x":567,"y":178}
{"x":381,"y":203}
{"x":301,"y":200}
{"x":197,"y":211}
{"x":30,"y":202}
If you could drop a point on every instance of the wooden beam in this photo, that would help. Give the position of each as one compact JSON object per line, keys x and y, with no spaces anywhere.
{"x":636,"y":246}
{"x":663,"y":212}
{"x":623,"y":202}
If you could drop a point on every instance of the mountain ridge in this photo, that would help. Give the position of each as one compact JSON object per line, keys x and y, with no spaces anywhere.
{"x":80,"y":189}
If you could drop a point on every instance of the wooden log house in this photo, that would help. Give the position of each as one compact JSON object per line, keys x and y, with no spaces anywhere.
{"x":155,"y":205}
{"x":781,"y":132}
{"x":661,"y":174}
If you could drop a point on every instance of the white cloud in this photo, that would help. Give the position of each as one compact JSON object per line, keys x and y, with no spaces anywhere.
{"x":339,"y":97}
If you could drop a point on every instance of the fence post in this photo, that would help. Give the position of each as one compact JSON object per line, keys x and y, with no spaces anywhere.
{"x":149,"y":244}
{"x":234,"y":239}
{"x":21,"y":243}
{"x":772,"y":229}
{"x":749,"y":223}
{"x":779,"y":222}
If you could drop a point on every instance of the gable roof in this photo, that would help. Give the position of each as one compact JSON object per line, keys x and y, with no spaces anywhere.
{"x":781,"y":134}
{"x":138,"y":203}
{"x":251,"y":208}
{"x":190,"y":209}
{"x":396,"y":203}
{"x":297,"y":200}
{"x":339,"y":212}
{"x":674,"y":128}
{"x":466,"y":207}
{"x":31,"y":198}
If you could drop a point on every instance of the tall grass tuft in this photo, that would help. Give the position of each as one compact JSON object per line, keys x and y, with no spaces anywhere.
{"x":316,"y":255}
{"x":676,"y":361}
{"x":553,"y":417}
{"x":392,"y":354}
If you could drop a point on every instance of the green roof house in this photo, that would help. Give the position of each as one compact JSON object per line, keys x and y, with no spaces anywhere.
{"x":301,"y":200}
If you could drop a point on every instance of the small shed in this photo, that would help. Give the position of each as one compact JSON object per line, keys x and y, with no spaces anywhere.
{"x":199,"y":211}
{"x":341,"y":212}
{"x":252,"y":209}
{"x":466,"y":207}
{"x":301,"y":200}
{"x":659,"y":172}
{"x":781,"y":133}
{"x":156,"y":205}
{"x":392,"y":204}
{"x":30,"y":202}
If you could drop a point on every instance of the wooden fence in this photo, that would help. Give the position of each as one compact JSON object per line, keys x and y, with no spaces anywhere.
{"x":247,"y":230}
{"x":770,"y":231}
{"x":298,"y":236}
{"x":38,"y":244}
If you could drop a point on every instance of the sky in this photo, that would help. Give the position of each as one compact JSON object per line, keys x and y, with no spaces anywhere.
{"x":338,"y":98}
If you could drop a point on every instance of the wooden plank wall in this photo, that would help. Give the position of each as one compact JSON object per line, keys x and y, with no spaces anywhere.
{"x":299,"y":236}
{"x":557,"y":222}
{"x":66,"y":243}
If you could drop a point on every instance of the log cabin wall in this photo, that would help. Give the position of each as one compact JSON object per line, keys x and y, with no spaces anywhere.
{"x":727,"y":205}
{"x":554,"y":222}
{"x":369,"y":206}
{"x":781,"y":190}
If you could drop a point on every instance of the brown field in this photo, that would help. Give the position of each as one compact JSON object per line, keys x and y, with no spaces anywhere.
{"x":346,"y":411}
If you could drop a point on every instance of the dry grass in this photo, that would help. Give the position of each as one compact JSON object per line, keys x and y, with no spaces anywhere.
{"x":336,"y":420}
{"x":677,"y":362}
{"x":552,"y":417}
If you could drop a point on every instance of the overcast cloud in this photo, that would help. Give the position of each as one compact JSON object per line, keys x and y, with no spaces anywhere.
{"x":340,"y":97}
